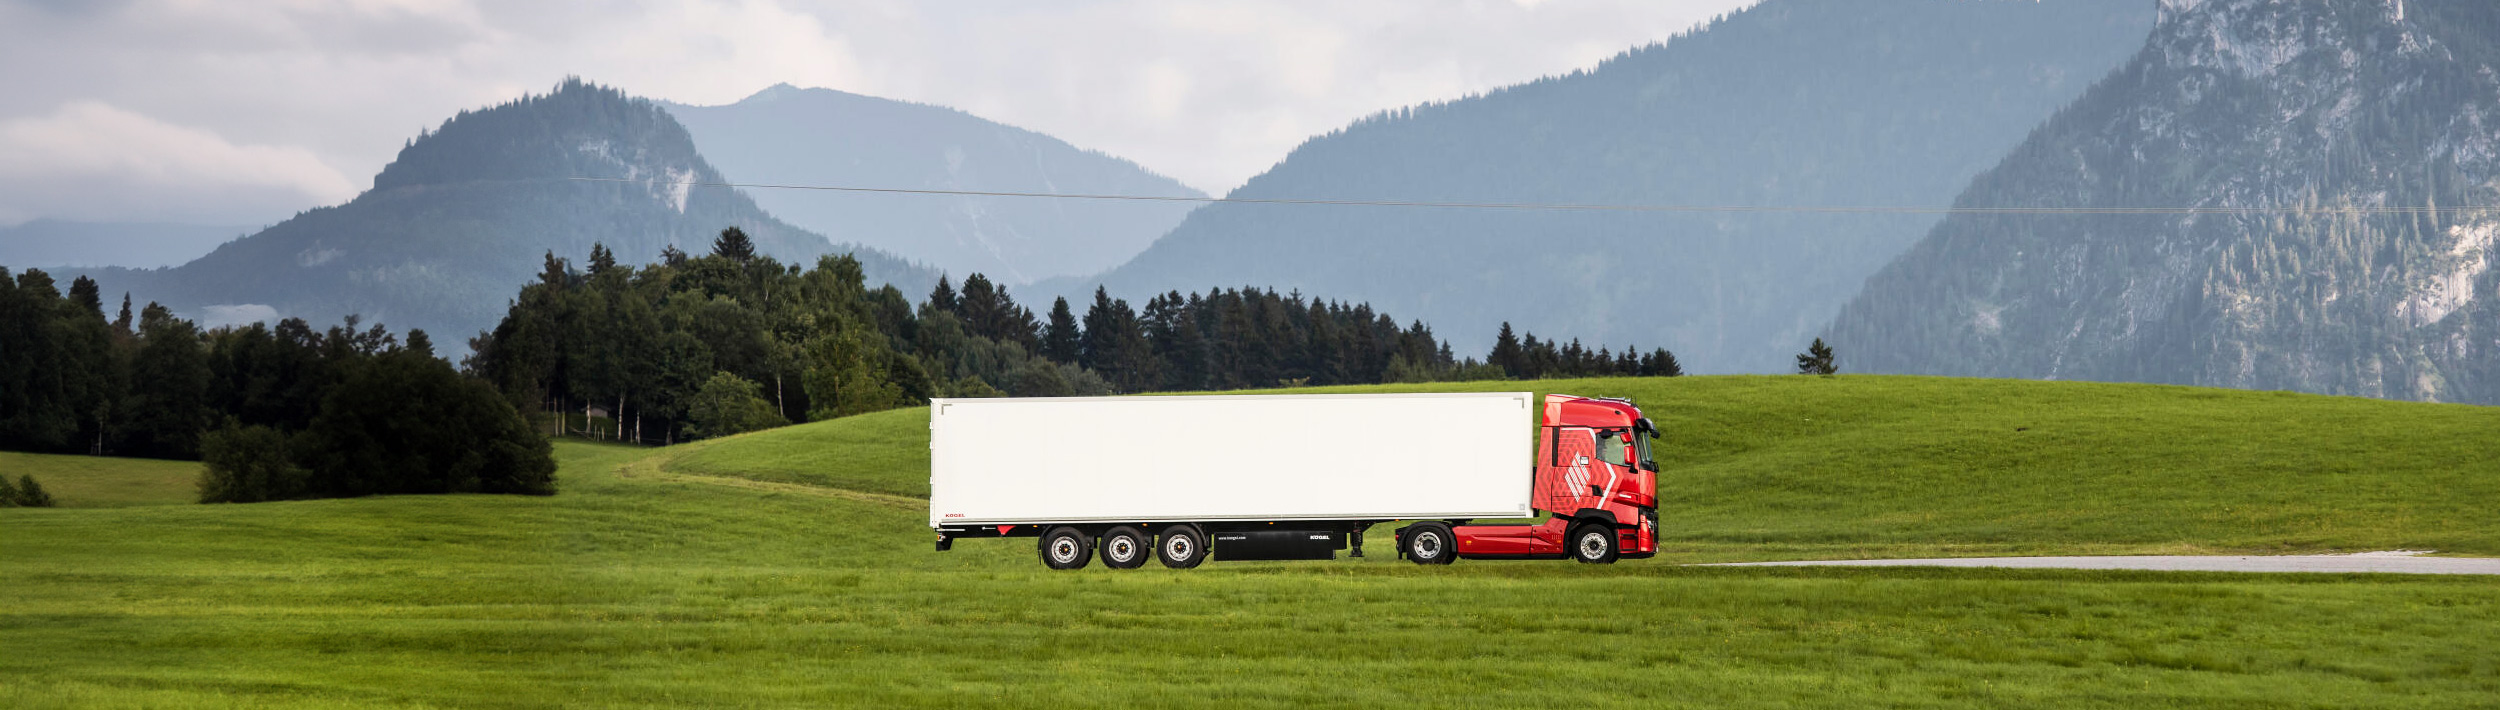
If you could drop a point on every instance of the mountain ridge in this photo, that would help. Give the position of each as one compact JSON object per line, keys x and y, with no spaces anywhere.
{"x":1898,"y":105}
{"x":465,"y":214}
{"x":2280,"y":107}
{"x":825,"y":137}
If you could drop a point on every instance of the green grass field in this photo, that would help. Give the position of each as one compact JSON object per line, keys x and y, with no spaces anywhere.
{"x":95,"y":482}
{"x":792,"y":568}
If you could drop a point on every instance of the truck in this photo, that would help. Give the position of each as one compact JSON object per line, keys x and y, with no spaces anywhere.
{"x":1183,"y":479}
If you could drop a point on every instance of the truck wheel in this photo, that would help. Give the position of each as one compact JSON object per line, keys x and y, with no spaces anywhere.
{"x":1182,"y":547}
{"x":1125,"y":548}
{"x":1594,"y":544}
{"x":1429,"y":543}
{"x":1066,"y":548}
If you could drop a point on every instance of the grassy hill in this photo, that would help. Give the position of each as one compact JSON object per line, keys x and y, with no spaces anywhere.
{"x":1786,"y":467}
{"x":657,"y":579}
{"x":94,"y":482}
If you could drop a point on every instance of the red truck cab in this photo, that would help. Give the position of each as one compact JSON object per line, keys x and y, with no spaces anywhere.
{"x":1595,"y":483}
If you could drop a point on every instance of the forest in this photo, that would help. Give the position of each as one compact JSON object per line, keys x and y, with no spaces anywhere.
{"x":688,"y":347}
{"x":734,"y":340}
{"x":283,"y":412}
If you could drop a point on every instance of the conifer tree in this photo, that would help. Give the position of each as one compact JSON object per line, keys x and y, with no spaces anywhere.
{"x":1060,"y":337}
{"x":1816,"y":360}
{"x":601,"y":260}
{"x":943,"y":299}
{"x":1506,"y":353}
{"x":734,"y":245}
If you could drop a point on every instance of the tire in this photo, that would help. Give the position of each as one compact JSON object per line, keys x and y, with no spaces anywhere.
{"x":1181,"y":547}
{"x":1594,"y":543}
{"x":1428,"y":544}
{"x":1066,"y":548}
{"x":1125,"y":547}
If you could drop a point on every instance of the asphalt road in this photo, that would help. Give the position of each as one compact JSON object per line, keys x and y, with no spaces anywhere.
{"x":2395,"y":561}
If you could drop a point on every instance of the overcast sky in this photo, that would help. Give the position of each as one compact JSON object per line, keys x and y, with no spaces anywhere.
{"x":243,"y":112}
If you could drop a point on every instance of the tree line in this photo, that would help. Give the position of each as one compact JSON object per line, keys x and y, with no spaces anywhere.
{"x":686,"y":347}
{"x":341,"y":412}
{"x":731,"y":341}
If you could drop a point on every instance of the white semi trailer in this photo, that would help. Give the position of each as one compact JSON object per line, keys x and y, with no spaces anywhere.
{"x":1246,"y":476}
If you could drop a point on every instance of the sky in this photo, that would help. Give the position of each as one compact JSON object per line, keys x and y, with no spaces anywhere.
{"x":243,"y":112}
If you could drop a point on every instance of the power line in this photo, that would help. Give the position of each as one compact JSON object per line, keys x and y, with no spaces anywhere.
{"x":1571,"y":207}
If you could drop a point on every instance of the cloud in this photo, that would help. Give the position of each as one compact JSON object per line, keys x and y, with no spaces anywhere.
{"x":1210,"y":93}
{"x":92,"y":161}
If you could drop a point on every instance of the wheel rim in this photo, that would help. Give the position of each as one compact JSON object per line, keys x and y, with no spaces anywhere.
{"x":1428,"y":546}
{"x":1123,"y":549}
{"x":1179,"y":547}
{"x":1593,"y":544}
{"x":1063,"y":549}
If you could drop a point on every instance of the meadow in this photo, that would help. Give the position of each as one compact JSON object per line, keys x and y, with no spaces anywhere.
{"x":793,"y":568}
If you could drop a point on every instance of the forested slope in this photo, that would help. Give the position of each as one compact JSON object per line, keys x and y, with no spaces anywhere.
{"x":465,"y":214}
{"x":1790,"y":102}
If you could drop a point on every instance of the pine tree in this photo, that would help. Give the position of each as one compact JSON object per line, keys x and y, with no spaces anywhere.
{"x":1506,"y":353}
{"x":601,"y":260}
{"x":942,"y":299}
{"x":1660,"y":363}
{"x":1816,"y":360}
{"x":1060,"y":337}
{"x":734,"y":245}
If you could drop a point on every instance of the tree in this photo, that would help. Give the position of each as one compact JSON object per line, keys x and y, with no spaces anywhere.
{"x":1060,"y":337}
{"x":846,"y":374}
{"x":168,"y":405}
{"x":31,"y":494}
{"x":248,"y":464}
{"x":943,"y":300}
{"x":1660,"y":363}
{"x":601,"y":260}
{"x":728,"y":404}
{"x":1816,"y":360}
{"x":1506,"y":353}
{"x":405,"y":422}
{"x":734,"y":245}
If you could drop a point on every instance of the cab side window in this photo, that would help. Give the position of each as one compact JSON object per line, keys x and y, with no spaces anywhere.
{"x":1613,"y":449}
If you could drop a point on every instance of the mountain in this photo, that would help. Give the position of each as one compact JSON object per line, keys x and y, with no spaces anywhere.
{"x":462,"y":218}
{"x":1787,"y":103}
{"x":2293,"y":108}
{"x":790,"y":136}
{"x":141,"y":245}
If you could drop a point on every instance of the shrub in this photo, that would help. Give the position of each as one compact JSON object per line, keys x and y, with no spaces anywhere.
{"x":241,"y":464}
{"x":728,"y":404}
{"x":31,"y":494}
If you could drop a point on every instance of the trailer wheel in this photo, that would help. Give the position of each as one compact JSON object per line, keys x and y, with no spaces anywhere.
{"x":1125,"y":547}
{"x":1594,"y":543}
{"x":1182,"y":547}
{"x":1066,"y":548}
{"x":1429,"y":543}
